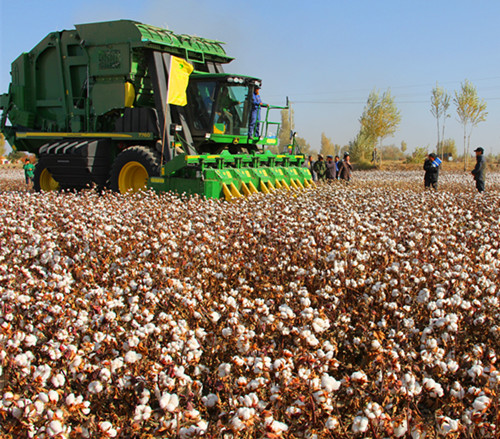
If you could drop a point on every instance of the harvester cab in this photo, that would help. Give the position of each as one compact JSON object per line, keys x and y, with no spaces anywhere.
{"x":218,"y":113}
{"x":91,"y":103}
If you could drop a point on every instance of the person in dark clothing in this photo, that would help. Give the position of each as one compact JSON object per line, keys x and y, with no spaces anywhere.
{"x":337,"y":165}
{"x":309,"y":164}
{"x":431,"y":168}
{"x":480,"y":169}
{"x":331,"y":168}
{"x":345,"y":168}
{"x":320,"y":168}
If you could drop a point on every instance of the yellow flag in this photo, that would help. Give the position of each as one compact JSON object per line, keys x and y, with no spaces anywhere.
{"x":178,"y":79}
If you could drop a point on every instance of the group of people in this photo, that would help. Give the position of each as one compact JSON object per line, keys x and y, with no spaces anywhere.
{"x":335,"y":169}
{"x":432,"y":165}
{"x":331,"y":169}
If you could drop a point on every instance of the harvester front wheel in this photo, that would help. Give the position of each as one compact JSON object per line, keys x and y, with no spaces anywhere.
{"x":43,"y":179}
{"x":132,"y":169}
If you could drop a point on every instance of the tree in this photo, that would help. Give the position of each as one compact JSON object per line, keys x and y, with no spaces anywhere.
{"x":327,"y":146}
{"x":380,"y":117}
{"x":449,"y":148}
{"x":404,"y":146}
{"x":471,"y":111}
{"x":418,"y":156}
{"x":361,"y":146}
{"x":286,"y":128}
{"x":392,"y":152}
{"x":440,"y":101}
{"x":2,"y":145}
{"x":304,"y":147}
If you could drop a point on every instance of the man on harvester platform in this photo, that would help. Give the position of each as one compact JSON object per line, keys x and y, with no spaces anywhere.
{"x":254,"y":128}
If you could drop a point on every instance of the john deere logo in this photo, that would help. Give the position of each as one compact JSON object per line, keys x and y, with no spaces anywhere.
{"x":236,"y":140}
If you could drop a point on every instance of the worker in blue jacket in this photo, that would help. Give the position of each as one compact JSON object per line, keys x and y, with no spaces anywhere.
{"x":254,"y":128}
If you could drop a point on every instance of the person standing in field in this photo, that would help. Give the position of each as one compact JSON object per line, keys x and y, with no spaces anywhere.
{"x":431,"y":168}
{"x":320,"y":168}
{"x":29,"y":172}
{"x":479,"y":170}
{"x":331,"y":173}
{"x":309,"y":164}
{"x":345,"y":168}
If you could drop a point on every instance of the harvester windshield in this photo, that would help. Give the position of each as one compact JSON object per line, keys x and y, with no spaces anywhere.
{"x":220,"y":106}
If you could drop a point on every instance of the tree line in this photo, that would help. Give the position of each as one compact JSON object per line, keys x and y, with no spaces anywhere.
{"x":381,"y":118}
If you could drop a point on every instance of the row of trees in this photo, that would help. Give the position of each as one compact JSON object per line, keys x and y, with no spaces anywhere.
{"x":470,"y":111}
{"x":381,"y":118}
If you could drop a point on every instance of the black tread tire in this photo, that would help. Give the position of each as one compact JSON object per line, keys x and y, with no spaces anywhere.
{"x":147,"y":157}
{"x":39,"y":168}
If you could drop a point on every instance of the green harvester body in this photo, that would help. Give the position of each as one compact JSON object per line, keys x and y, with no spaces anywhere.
{"x":91,"y":104}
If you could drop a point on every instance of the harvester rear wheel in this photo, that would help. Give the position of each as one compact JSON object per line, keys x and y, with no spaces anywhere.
{"x":132,"y":168}
{"x":43,"y":180}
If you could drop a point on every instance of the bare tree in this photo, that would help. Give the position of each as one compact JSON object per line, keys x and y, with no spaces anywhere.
{"x":471,"y":111}
{"x":440,"y":102}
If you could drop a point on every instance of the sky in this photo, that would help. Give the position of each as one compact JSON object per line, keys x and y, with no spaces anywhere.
{"x":325,"y":56}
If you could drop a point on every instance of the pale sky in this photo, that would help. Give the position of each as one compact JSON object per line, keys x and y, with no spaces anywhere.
{"x":326,"y":56}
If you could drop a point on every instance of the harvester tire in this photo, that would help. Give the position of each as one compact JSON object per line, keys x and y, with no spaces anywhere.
{"x":43,"y":179}
{"x":132,"y":168}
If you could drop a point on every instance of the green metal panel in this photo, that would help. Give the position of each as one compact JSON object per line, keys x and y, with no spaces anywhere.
{"x":142,"y":35}
{"x":206,"y":174}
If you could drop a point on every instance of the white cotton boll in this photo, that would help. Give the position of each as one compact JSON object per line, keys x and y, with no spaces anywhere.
{"x":107,"y":428}
{"x":169,"y":402}
{"x":329,"y":384}
{"x":360,"y":424}
{"x":211,"y":400}
{"x":435,"y":389}
{"x":39,"y":406}
{"x":373,"y":410}
{"x":22,"y":360}
{"x":481,"y":403}
{"x":320,"y":325}
{"x":286,"y":312}
{"x":278,"y":427}
{"x":142,"y":413}
{"x":475,"y":371}
{"x":54,"y":428}
{"x":30,"y":340}
{"x":53,"y":396}
{"x":95,"y":387}
{"x":237,"y":424}
{"x":448,"y":425}
{"x":214,"y":316}
{"x":105,"y":374}
{"x":224,"y":370}
{"x":457,"y":390}
{"x":359,"y":377}
{"x":400,"y":428}
{"x":132,"y":357}
{"x":332,"y":423}
{"x":452,"y":366}
{"x":245,"y":413}
{"x":58,"y":380}
{"x":227,"y":332}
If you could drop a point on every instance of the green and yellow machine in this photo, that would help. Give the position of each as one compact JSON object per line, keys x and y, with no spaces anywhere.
{"x":91,"y":103}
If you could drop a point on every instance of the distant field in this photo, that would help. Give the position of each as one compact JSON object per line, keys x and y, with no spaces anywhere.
{"x":345,"y":311}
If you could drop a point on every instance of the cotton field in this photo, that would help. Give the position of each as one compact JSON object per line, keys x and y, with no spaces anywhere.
{"x":368,"y":310}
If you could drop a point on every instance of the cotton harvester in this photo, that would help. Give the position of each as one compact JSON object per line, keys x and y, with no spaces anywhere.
{"x":96,"y":106}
